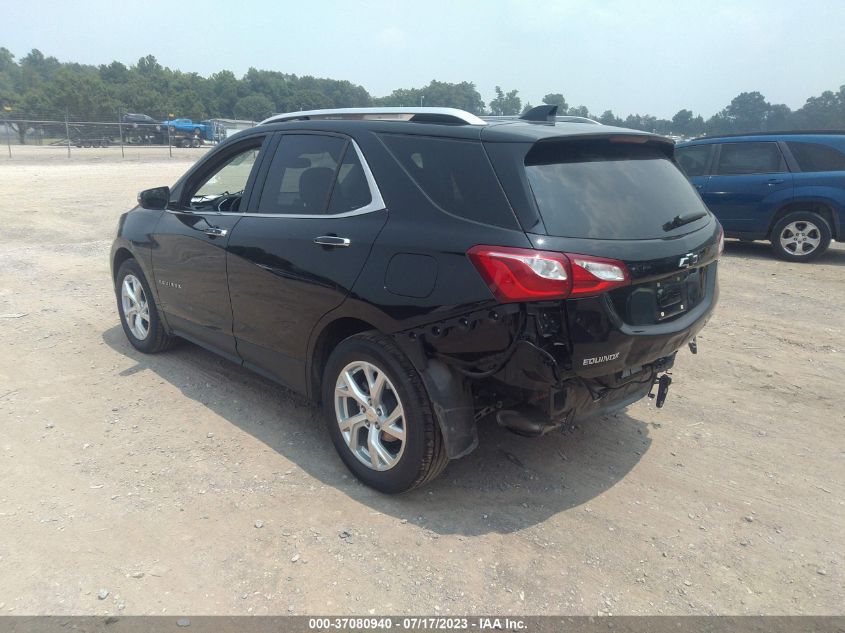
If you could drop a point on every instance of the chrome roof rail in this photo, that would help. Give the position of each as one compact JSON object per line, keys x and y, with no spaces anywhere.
{"x":427,"y":115}
{"x":564,"y":118}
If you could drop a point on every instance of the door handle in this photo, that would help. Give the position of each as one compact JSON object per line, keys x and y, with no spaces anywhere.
{"x":332,"y":241}
{"x":774,"y":181}
{"x":216,"y":231}
{"x":699,"y":187}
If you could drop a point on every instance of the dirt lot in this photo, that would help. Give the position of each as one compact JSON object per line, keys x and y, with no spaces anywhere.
{"x":184,"y":483}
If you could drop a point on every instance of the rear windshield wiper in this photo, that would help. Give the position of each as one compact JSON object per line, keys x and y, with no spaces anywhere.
{"x":680,"y":220}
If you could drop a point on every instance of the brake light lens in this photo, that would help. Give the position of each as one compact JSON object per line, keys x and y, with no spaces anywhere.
{"x":523,"y":274}
{"x":721,"y":241}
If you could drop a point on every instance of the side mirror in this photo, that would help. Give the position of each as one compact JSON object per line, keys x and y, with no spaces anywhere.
{"x":155,"y":199}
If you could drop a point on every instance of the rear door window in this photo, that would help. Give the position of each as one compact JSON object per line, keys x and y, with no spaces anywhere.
{"x":693,"y":159}
{"x":816,"y":157}
{"x":613,"y":191}
{"x":750,"y":158}
{"x":455,"y":174}
{"x":302,"y":174}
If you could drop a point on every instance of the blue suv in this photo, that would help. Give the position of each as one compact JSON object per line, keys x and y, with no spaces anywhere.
{"x":788,"y":188}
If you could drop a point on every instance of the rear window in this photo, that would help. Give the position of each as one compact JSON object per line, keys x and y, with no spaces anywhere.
{"x":604,"y":190}
{"x":817,"y":157}
{"x":455,"y":174}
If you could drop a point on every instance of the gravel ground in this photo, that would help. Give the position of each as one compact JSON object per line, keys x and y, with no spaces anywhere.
{"x":184,"y":483}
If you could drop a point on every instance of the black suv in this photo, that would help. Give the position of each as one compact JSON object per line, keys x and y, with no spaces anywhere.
{"x":420,"y":270}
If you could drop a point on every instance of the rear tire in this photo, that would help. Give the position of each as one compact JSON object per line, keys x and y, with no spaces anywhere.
{"x":138,"y":311}
{"x":388,"y":397}
{"x":801,"y":236}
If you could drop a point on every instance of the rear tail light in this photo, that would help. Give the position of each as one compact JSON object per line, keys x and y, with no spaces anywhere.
{"x":721,"y":241}
{"x":523,"y":274}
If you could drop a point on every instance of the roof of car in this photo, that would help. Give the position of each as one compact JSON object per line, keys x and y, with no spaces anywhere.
{"x":756,"y":136}
{"x":445,"y":122}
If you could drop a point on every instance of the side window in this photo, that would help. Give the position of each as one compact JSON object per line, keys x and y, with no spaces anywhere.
{"x":302,"y":174}
{"x":693,"y":159}
{"x":455,"y":174}
{"x":223,"y":188}
{"x":750,"y":158}
{"x":817,"y":157}
{"x":351,"y":190}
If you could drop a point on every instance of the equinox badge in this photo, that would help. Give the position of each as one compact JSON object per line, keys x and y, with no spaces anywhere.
{"x":601,"y":359}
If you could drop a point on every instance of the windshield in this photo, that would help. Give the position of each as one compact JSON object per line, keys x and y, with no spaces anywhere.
{"x":611,"y":191}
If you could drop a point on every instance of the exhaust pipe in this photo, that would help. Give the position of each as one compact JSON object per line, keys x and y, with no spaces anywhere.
{"x":526,"y":421}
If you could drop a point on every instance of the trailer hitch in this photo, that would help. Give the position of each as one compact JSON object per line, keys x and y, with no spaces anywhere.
{"x":662,"y":390}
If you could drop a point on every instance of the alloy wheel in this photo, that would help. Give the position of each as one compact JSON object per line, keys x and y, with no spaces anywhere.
{"x":370,"y":415}
{"x":800,"y":238}
{"x":136,"y":308}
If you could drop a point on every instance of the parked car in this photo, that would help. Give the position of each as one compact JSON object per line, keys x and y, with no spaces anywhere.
{"x":419,"y":271}
{"x":788,"y":188}
{"x":142,"y":129}
{"x":139,"y":119}
{"x":199,"y":130}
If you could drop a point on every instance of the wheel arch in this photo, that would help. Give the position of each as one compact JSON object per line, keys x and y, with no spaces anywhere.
{"x":121,"y":255}
{"x":823,"y":207}
{"x":450,"y":394}
{"x":325,"y":341}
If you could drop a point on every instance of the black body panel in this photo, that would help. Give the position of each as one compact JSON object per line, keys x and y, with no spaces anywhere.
{"x":282,"y":283}
{"x":136,"y":238}
{"x":189,"y":268}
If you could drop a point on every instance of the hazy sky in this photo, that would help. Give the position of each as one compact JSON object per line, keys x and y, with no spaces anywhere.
{"x":646,"y":56}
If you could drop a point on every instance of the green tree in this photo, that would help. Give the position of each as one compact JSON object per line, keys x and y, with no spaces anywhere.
{"x":682,"y":122}
{"x":506,"y":103}
{"x":580,"y":111}
{"x":555,"y":98}
{"x":253,"y":108}
{"x":608,"y":118}
{"x":747,"y":112}
{"x":463,"y":96}
{"x":822,"y":112}
{"x":402,"y":98}
{"x":779,"y":118}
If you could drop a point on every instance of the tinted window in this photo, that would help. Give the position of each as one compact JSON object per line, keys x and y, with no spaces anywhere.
{"x":693,"y":159}
{"x":817,"y":157}
{"x":750,"y":158}
{"x":604,"y":190}
{"x":351,"y":190}
{"x":455,"y":175}
{"x":301,"y":175}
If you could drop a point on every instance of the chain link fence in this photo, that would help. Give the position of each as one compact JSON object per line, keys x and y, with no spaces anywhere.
{"x":128,"y":135}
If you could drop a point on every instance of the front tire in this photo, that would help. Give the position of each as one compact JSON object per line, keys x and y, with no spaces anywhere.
{"x":801,"y":236}
{"x":379,"y":415}
{"x":138,"y":312}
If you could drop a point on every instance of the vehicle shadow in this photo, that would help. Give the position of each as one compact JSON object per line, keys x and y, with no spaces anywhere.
{"x":507,"y":484}
{"x":835,"y":255}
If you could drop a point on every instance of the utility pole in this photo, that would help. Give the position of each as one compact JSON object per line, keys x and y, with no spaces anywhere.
{"x":67,"y":131}
{"x":7,"y":109}
{"x":120,"y":131}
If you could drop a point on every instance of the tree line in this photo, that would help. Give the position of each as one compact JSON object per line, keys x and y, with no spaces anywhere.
{"x":36,"y":86}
